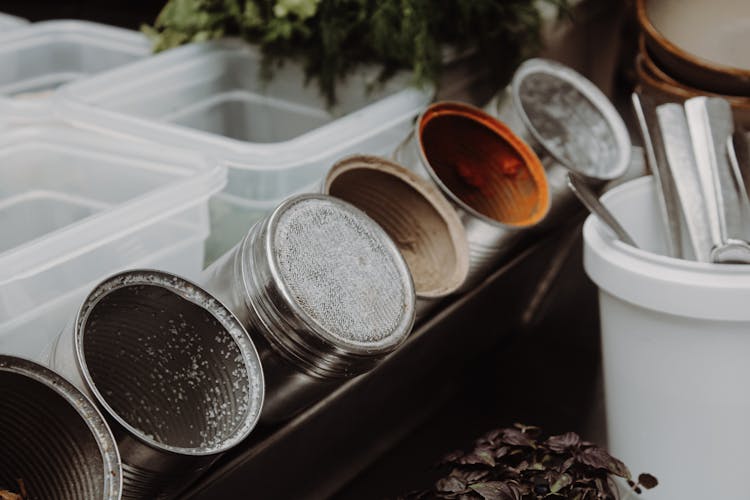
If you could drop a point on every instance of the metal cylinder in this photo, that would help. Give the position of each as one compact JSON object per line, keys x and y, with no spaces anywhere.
{"x":173,"y":371}
{"x":495,"y":181}
{"x":570,"y":124}
{"x":417,"y":217}
{"x":323,"y":291}
{"x":54,"y":442}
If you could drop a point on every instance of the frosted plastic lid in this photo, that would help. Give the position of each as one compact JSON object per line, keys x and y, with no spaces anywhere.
{"x":343,"y":271}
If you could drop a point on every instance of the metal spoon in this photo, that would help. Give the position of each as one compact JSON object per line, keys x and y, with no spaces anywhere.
{"x":590,"y":201}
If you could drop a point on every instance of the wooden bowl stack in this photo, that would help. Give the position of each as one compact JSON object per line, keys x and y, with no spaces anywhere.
{"x":695,"y":47}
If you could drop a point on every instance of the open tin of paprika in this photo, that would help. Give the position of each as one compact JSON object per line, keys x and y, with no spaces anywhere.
{"x":422,"y":223}
{"x":324,"y":293}
{"x":570,"y":124}
{"x":496,"y":182}
{"x":173,"y":371}
{"x":55,"y":443}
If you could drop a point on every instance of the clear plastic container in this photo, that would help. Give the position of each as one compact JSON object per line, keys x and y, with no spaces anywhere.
{"x":76,"y":206}
{"x":39,"y":57}
{"x":9,"y":22}
{"x":277,"y":137}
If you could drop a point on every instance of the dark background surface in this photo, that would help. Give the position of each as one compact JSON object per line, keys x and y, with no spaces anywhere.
{"x":125,"y":13}
{"x":547,"y":375}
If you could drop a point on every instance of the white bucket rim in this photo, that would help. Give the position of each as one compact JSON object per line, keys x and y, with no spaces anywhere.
{"x":657,"y":282}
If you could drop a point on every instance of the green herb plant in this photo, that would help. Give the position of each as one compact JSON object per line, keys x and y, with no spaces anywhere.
{"x":516,"y":463}
{"x":333,"y":37}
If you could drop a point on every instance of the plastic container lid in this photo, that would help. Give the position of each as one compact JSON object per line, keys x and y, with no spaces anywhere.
{"x":9,"y":22}
{"x":276,"y":137}
{"x":65,"y":191}
{"x":649,"y":279}
{"x":41,"y":56}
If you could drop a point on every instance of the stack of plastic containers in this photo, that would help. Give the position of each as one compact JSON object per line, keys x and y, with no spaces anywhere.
{"x":276,"y":138}
{"x":76,"y":206}
{"x":8,"y":22}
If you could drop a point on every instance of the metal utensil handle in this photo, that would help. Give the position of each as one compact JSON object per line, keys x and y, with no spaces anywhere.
{"x":589,"y":199}
{"x":684,"y":171}
{"x":739,"y":156}
{"x":653,"y":145}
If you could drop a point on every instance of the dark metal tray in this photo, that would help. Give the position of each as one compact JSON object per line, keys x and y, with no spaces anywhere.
{"x":330,"y":443}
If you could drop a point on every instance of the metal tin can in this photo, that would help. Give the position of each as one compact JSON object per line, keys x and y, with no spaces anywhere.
{"x":174,"y":372}
{"x":417,"y":217}
{"x":55,"y":443}
{"x":570,"y":124}
{"x":494,"y":179}
{"x":323,"y":291}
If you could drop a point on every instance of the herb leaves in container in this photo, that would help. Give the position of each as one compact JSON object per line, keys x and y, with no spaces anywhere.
{"x":332,"y":38}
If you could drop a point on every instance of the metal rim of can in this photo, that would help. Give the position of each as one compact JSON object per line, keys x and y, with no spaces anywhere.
{"x":191,"y":292}
{"x":502,"y":131}
{"x":305,"y":346}
{"x":429,"y":193}
{"x":592,"y":93}
{"x":88,"y":411}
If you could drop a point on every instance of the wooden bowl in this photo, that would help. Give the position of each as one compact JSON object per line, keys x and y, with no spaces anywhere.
{"x":700,"y":43}
{"x":666,"y":91}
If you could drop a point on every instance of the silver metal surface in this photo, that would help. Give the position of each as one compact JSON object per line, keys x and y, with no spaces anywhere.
{"x":711,"y":127}
{"x":653,"y":145}
{"x":366,"y":416}
{"x":323,"y":291}
{"x":740,"y":156}
{"x":682,"y":165}
{"x":569,"y":123}
{"x":421,"y":222}
{"x":173,"y":371}
{"x":590,"y":201}
{"x":490,"y":239}
{"x":54,"y":440}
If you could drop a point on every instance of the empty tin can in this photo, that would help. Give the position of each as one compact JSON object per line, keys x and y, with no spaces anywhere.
{"x":569,"y":123}
{"x":323,"y":291}
{"x":55,"y":443}
{"x":494,"y":179}
{"x":172,"y":369}
{"x":417,"y":217}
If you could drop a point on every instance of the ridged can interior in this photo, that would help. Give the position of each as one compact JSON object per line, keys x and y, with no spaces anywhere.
{"x":170,"y":363}
{"x":54,"y":442}
{"x":421,"y":222}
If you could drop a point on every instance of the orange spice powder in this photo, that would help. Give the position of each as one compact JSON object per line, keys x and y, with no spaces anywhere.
{"x":484,"y":164}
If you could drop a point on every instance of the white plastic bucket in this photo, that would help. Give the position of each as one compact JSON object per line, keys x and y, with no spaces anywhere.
{"x":676,"y":355}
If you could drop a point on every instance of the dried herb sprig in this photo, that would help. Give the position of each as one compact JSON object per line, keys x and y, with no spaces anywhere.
{"x":333,"y":37}
{"x":9,"y":495}
{"x":517,"y":463}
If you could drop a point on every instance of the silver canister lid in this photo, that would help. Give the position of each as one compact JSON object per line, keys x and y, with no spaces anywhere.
{"x":571,"y":118}
{"x":330,"y":286}
{"x":169,"y":363}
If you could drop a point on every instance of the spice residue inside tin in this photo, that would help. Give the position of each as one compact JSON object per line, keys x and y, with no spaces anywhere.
{"x":570,"y":126}
{"x":485,"y":166}
{"x":167,"y":367}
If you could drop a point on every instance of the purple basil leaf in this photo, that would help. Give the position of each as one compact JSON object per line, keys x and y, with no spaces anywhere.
{"x":479,"y":456}
{"x":516,"y":438}
{"x":564,"y":442}
{"x":647,"y":481}
{"x":450,"y":485}
{"x":496,"y":490}
{"x":600,"y":459}
{"x":558,"y":482}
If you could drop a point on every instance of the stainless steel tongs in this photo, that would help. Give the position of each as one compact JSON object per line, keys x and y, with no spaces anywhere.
{"x":702,"y":167}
